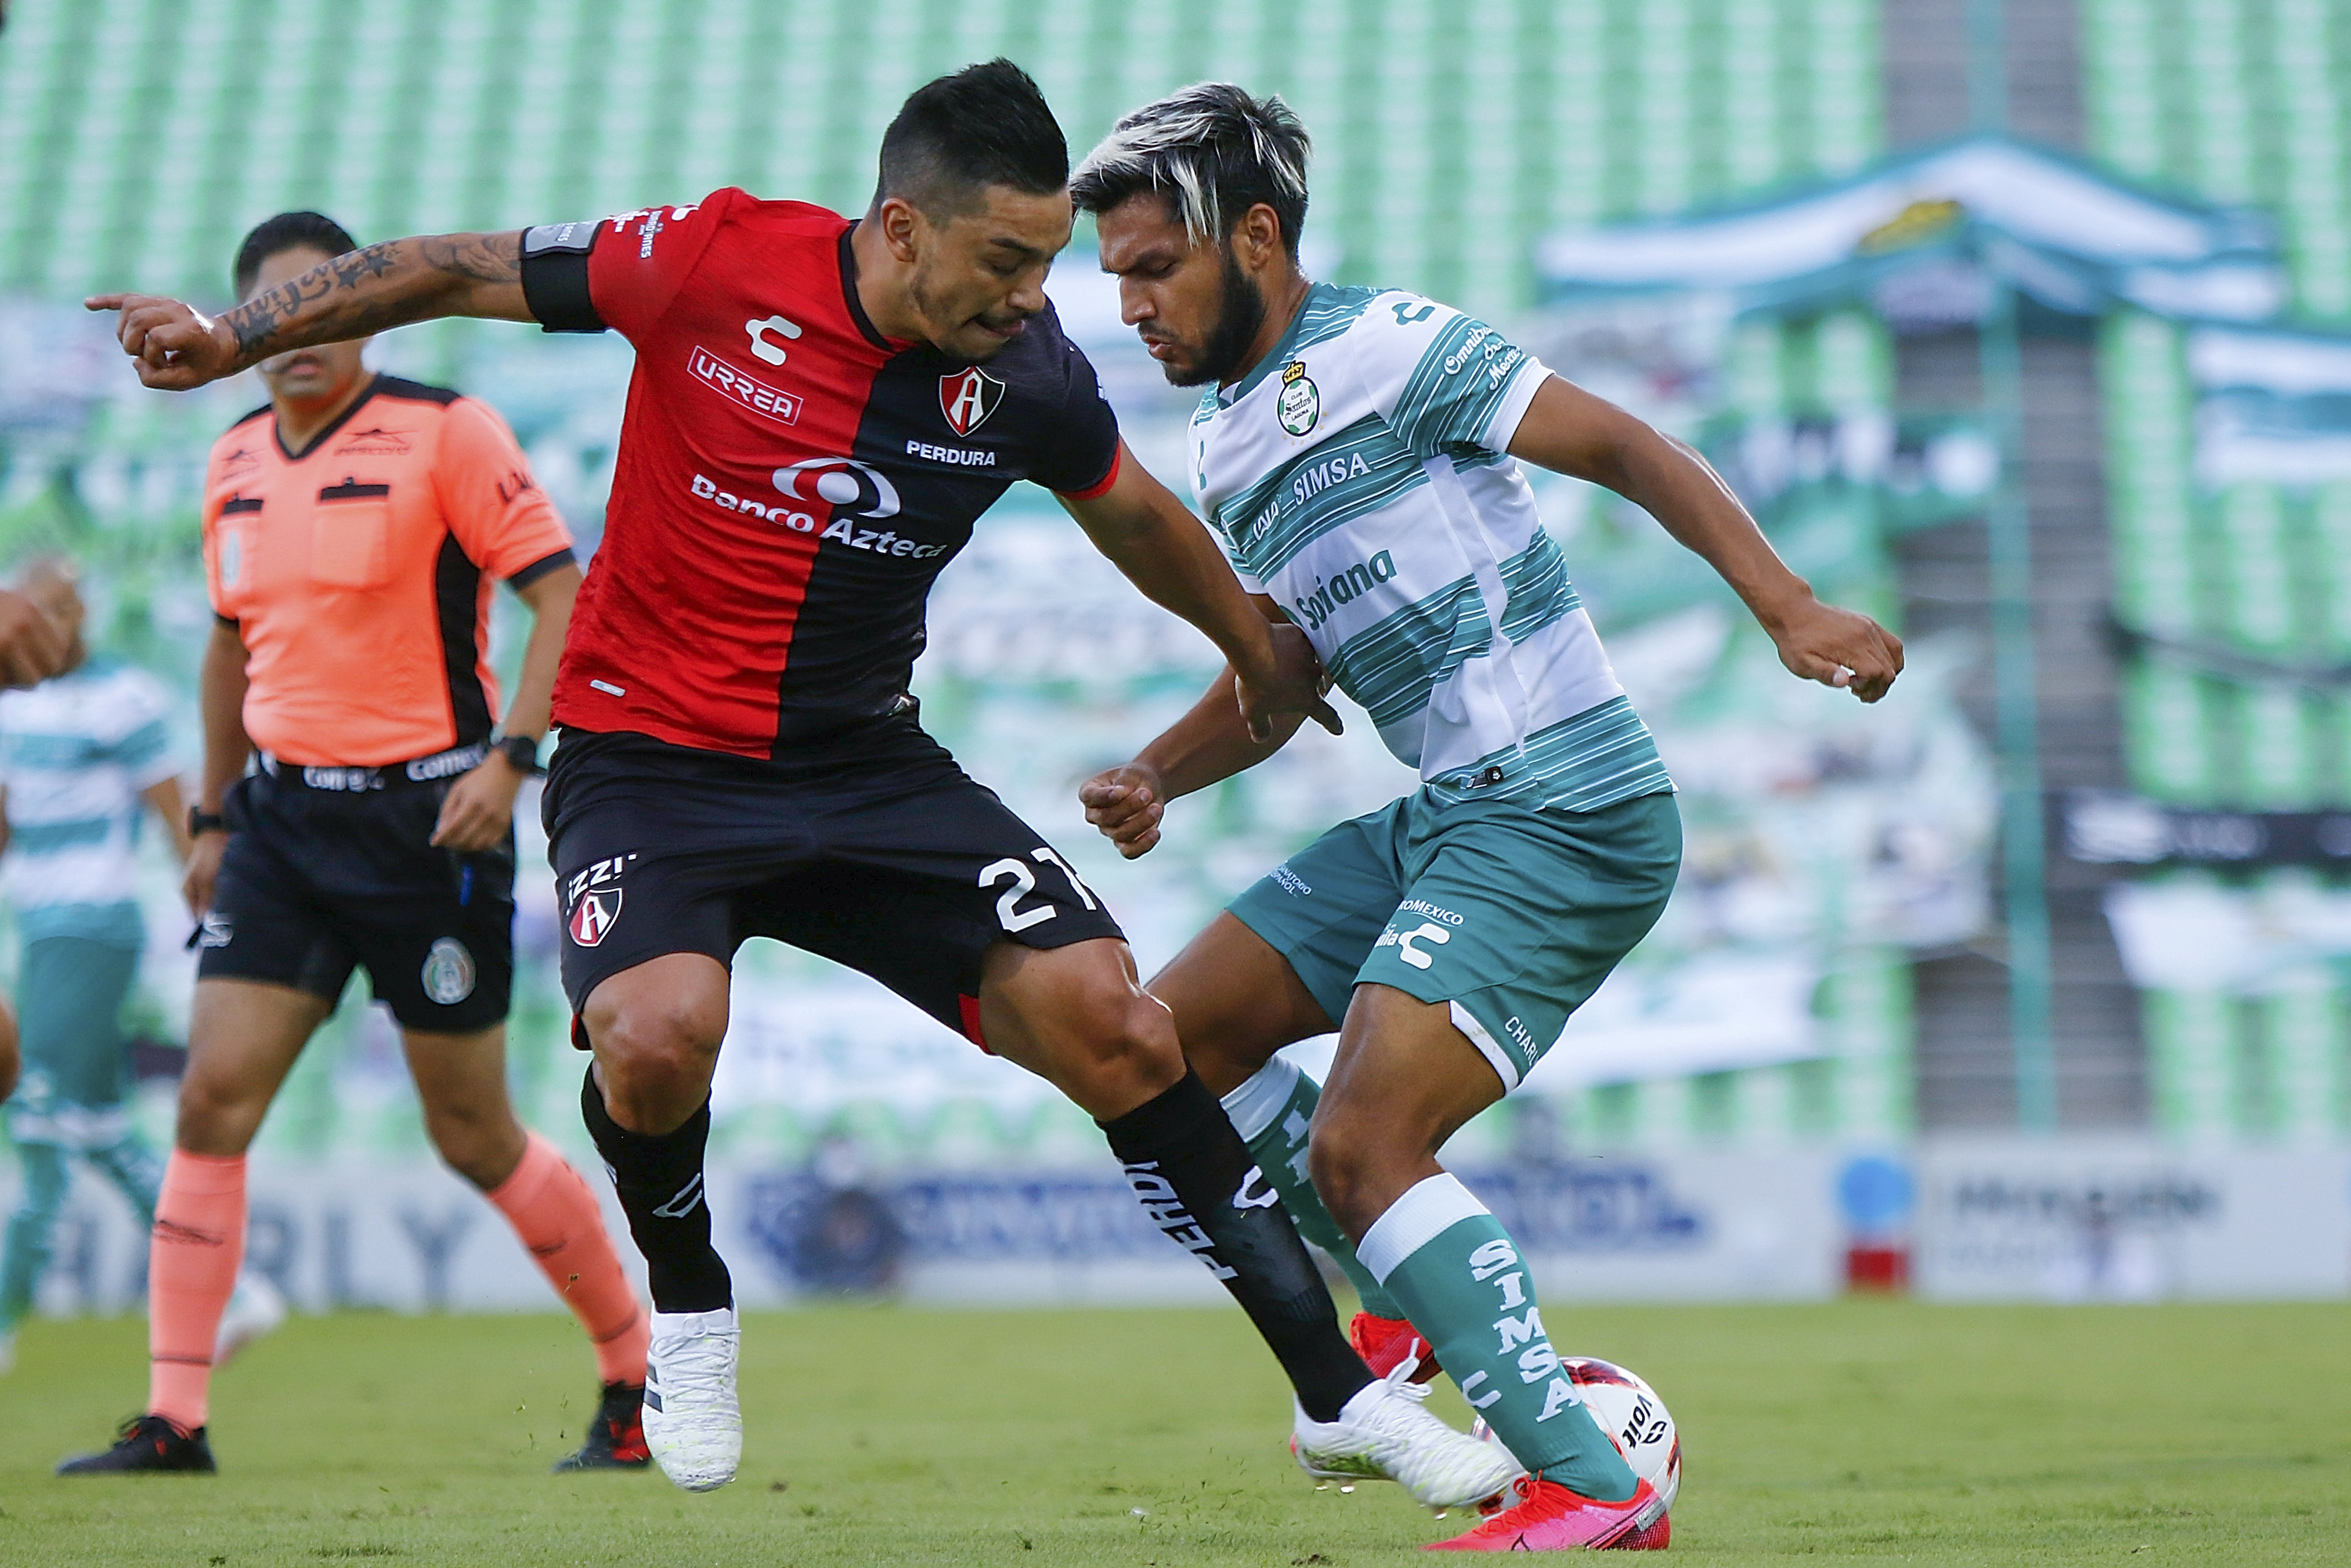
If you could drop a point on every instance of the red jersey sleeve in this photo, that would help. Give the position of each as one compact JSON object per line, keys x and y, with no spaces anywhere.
{"x":639,"y":260}
{"x":500,"y":517}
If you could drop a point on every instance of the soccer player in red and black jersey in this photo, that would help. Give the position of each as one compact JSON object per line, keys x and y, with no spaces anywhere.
{"x":820,"y":410}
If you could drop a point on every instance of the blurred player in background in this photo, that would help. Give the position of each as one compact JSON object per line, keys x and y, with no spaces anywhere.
{"x":821,"y":408}
{"x":353,"y":529}
{"x":32,"y":649}
{"x":1357,"y":450}
{"x":83,"y":757}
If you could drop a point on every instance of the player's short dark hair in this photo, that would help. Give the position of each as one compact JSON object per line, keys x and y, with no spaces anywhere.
{"x":985,"y":125}
{"x":1212,"y":152}
{"x":288,"y":231}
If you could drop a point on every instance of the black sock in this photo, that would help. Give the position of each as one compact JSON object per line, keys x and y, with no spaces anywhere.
{"x":660,"y":1182}
{"x":1197,"y":1183}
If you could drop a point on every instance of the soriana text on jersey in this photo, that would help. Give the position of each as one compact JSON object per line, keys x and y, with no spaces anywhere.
{"x":789,"y":482}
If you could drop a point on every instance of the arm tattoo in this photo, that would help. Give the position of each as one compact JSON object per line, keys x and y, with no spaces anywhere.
{"x":484,"y":258}
{"x":384,"y":285}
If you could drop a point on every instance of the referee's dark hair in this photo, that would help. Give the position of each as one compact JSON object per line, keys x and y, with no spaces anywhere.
{"x":288,"y":231}
{"x":985,"y":125}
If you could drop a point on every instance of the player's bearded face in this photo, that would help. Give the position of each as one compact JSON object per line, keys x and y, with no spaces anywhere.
{"x":979,"y":275}
{"x":1196,"y":308}
{"x":1240,"y":311}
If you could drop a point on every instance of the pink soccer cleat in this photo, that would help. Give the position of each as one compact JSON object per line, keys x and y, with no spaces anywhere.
{"x":1548,"y":1516}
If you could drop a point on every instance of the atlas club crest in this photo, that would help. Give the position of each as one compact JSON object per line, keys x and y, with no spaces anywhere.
{"x":968,"y":397}
{"x":594,"y":915}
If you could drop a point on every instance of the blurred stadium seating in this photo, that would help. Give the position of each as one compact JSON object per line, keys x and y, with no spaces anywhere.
{"x":140,"y":138}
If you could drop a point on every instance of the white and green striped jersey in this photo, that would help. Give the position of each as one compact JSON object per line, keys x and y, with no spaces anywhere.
{"x":76,"y":754}
{"x":1359,"y":476}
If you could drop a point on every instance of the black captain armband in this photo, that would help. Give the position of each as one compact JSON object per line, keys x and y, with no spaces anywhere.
{"x":555,"y":276}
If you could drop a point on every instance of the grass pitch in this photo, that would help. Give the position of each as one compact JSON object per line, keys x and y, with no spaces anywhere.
{"x":1868,"y":1432}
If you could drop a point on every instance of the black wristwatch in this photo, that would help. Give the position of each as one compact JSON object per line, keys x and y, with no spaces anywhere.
{"x":201,"y":822}
{"x":522,"y":752}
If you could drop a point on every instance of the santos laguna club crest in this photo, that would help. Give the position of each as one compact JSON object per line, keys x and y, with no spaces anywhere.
{"x":967,"y":398}
{"x":1301,"y":404}
{"x":593,"y":915}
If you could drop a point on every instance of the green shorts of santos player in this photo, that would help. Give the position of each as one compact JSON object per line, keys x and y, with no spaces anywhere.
{"x":1510,"y":914}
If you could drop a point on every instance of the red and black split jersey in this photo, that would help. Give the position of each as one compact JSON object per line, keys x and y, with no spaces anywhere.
{"x":788,"y":481}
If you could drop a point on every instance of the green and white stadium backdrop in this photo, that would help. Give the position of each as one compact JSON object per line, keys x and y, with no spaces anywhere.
{"x":1759,"y":1040}
{"x":2230,"y":510}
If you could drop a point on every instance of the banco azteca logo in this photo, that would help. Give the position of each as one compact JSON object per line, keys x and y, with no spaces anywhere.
{"x":967,"y":398}
{"x":854,"y":489}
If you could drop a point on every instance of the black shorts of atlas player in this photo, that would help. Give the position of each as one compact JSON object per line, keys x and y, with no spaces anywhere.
{"x":330,"y":869}
{"x":867,"y":845}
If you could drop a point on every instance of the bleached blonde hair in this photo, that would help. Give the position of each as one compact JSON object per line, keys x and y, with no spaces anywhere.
{"x":1213,"y":151}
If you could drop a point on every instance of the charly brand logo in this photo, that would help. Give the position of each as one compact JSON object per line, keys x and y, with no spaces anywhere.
{"x":967,"y":398}
{"x":773,"y":353}
{"x":1402,"y":941}
{"x":448,"y":972}
{"x":1299,"y":404}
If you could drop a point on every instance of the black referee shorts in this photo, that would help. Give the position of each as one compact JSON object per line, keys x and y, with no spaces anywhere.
{"x":315,"y":882}
{"x":870,"y":847}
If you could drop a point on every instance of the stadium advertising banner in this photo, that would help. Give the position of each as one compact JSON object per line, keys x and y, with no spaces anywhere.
{"x":2129,"y":1220}
{"x":409,"y":1236}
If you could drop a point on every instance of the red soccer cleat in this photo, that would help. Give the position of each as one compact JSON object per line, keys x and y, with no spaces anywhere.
{"x":1550,"y":1518}
{"x":1385,"y":1343}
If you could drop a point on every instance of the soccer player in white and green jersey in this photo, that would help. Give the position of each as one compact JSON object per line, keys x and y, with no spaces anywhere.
{"x":1358,"y":451}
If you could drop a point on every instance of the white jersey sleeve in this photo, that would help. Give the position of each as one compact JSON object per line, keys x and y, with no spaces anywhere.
{"x":137,"y":736}
{"x":1442,"y":379}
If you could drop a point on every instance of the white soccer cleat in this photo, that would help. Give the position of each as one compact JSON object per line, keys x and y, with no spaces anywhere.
{"x":1385,"y":1434}
{"x":693,"y":1423}
{"x":254,"y":1308}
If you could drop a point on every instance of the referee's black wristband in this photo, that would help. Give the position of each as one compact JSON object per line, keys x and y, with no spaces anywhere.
{"x":521,"y":752}
{"x":201,"y":822}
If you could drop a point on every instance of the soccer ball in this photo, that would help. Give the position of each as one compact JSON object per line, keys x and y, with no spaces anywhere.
{"x":1630,"y":1412}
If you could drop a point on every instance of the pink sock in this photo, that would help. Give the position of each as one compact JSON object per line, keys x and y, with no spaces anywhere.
{"x":192,"y":1263}
{"x":557,"y":1217}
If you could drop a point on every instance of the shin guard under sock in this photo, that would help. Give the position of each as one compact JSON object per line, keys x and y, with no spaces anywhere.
{"x":1271,"y":1112}
{"x":659,"y":1180}
{"x":557,"y":1217}
{"x":1455,"y":1269}
{"x":199,"y":1240}
{"x":1198,"y":1184}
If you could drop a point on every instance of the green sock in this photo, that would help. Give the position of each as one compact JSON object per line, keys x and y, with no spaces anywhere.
{"x":1449,"y":1261}
{"x":129,"y":1163}
{"x":26,"y":1253}
{"x":1271,"y":1112}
